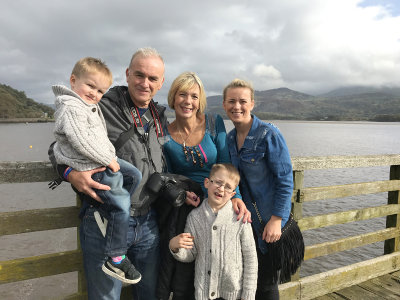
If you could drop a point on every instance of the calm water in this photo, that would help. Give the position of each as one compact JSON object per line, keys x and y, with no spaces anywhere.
{"x":29,"y":142}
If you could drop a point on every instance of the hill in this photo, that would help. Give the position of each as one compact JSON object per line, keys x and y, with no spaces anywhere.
{"x":356,"y":90}
{"x":15,"y":105}
{"x":342,"y":104}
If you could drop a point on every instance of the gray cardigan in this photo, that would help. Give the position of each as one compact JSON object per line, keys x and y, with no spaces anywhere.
{"x":80,"y":132}
{"x":225,"y":254}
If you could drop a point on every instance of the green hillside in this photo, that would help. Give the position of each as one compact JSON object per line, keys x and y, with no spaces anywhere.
{"x":14,"y":105}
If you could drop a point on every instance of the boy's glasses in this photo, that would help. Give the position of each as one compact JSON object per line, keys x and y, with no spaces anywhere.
{"x":220,"y":184}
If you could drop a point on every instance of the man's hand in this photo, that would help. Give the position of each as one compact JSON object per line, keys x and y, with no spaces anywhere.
{"x":272,"y":231}
{"x":183,"y":240}
{"x":241,"y":210}
{"x":114,"y":166}
{"x":84,"y":183}
{"x":192,"y":199}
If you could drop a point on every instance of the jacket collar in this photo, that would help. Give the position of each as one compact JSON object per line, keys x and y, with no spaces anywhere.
{"x":250,"y":139}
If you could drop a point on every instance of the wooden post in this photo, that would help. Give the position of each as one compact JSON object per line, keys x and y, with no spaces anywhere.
{"x":82,"y":286}
{"x":297,"y":206}
{"x":392,"y":245}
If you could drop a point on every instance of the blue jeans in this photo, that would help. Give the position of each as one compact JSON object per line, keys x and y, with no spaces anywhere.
{"x":143,"y":251}
{"x":117,"y":203}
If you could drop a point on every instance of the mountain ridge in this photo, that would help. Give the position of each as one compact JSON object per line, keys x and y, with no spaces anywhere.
{"x":345,"y":104}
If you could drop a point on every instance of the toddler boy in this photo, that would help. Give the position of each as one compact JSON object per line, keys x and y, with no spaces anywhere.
{"x":222,"y":247}
{"x":82,"y":144}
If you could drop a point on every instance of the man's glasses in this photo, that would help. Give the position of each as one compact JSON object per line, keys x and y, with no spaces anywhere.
{"x":220,"y":184}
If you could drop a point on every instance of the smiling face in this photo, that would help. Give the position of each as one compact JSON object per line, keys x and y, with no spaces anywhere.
{"x":145,"y":77}
{"x":90,"y":86}
{"x":238,"y":104}
{"x":186,"y":103}
{"x":220,"y":188}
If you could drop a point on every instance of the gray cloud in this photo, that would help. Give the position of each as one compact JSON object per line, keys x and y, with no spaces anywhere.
{"x":306,"y":45}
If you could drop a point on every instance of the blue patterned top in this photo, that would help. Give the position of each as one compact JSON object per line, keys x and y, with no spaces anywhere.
{"x":196,"y":161}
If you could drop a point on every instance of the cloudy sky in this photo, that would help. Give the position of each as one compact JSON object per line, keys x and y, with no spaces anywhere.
{"x":310,"y":46}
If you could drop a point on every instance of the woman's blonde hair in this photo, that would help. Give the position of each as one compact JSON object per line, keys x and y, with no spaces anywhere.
{"x":185,"y":82}
{"x":239,"y":83}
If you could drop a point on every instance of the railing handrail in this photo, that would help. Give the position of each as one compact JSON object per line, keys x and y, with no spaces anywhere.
{"x":344,"y":161}
{"x":38,"y":171}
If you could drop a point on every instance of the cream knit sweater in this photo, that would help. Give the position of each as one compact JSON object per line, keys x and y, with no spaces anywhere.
{"x":80,"y":132}
{"x":225,"y":254}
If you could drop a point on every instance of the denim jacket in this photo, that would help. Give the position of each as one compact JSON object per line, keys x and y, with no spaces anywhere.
{"x":265,"y":163}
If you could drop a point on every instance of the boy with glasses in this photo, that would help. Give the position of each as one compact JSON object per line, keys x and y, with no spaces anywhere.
{"x":222,"y":247}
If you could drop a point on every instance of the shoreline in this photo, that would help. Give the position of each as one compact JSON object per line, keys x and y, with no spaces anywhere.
{"x":26,"y":120}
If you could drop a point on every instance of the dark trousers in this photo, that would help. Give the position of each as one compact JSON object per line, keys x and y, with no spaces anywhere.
{"x":267,"y":282}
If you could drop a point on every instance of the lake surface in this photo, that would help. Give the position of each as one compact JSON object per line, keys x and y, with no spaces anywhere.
{"x":29,"y":142}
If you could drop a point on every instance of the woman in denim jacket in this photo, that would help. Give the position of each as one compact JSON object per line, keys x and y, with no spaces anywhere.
{"x":258,"y":150}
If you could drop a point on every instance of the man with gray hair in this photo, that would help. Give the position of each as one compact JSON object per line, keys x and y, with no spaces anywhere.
{"x":135,"y":126}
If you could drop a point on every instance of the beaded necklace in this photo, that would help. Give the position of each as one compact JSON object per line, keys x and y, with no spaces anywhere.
{"x":191,"y":152}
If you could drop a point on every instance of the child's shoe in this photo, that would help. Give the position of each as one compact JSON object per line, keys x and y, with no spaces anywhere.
{"x":124,"y":271}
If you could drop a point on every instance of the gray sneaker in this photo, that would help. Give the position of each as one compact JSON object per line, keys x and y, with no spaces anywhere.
{"x":123,"y":271}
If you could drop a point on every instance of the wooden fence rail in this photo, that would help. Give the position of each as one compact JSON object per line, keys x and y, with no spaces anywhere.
{"x":299,"y":288}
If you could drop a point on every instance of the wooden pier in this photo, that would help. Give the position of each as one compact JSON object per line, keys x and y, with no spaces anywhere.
{"x":377,"y":278}
{"x":382,"y":287}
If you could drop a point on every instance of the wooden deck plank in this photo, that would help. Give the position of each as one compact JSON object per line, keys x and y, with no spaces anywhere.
{"x":384,"y":286}
{"x":331,"y":281}
{"x":331,"y":296}
{"x":396,"y":274}
{"x":356,"y":292}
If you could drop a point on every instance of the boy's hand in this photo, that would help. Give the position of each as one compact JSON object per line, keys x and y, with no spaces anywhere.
{"x":84,"y":183}
{"x":192,"y":199}
{"x":183,"y":240}
{"x":114,"y":166}
{"x":272,"y":231}
{"x":241,"y":210}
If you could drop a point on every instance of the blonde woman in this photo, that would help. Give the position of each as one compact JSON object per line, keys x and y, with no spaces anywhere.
{"x":196,"y":142}
{"x":259,"y":151}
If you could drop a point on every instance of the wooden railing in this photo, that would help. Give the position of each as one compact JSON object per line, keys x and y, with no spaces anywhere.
{"x":299,"y":288}
{"x":323,"y":283}
{"x":39,"y":220}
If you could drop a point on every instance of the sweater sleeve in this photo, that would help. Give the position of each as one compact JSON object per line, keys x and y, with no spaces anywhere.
{"x":88,"y":142}
{"x":187,"y":255}
{"x":250,"y":263}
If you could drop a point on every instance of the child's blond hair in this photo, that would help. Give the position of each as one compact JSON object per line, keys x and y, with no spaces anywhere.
{"x":89,"y":65}
{"x":233,"y":173}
